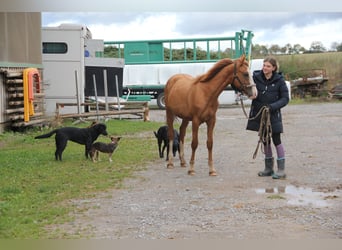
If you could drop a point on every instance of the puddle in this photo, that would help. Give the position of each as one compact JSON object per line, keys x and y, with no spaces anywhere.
{"x":299,"y":196}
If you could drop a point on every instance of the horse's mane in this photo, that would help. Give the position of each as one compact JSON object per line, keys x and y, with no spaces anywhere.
{"x":214,"y":70}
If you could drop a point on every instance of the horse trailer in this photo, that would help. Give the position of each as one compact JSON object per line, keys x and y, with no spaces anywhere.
{"x":149,"y":64}
{"x":72,"y":61}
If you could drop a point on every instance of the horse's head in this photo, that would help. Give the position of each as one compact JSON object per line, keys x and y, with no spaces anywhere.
{"x":242,"y":79}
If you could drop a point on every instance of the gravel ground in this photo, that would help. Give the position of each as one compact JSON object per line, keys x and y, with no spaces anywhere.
{"x":165,"y":203}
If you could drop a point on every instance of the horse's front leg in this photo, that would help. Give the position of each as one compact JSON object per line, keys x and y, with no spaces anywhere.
{"x":182,"y":132}
{"x":210,"y":142}
{"x":170,"y":135}
{"x":194,"y":144}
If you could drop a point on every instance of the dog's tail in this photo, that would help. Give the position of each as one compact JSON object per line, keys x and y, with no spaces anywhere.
{"x":46,"y":135}
{"x":155,"y":133}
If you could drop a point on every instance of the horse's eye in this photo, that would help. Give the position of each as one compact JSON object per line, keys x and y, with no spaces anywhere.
{"x":246,"y":75}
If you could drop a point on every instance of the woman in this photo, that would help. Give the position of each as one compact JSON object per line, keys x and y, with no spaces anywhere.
{"x":273,"y":94}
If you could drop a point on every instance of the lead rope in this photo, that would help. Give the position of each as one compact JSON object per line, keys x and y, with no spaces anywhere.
{"x":243,"y":107}
{"x":265,"y":128}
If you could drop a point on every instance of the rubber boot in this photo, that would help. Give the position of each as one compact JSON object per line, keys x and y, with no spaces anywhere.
{"x":268,"y":171}
{"x":280,"y":174}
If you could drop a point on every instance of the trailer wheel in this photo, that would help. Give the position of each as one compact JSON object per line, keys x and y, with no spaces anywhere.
{"x":161,"y":100}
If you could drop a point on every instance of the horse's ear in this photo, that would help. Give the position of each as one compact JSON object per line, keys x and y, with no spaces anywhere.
{"x":243,"y":57}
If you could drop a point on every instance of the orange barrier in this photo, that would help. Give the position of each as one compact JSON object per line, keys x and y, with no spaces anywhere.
{"x":30,"y":76}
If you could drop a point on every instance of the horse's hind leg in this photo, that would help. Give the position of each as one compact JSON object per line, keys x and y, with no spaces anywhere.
{"x":194,"y":144}
{"x":182,"y":132}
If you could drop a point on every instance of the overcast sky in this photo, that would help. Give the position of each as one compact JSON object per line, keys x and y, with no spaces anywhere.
{"x":272,"y":22}
{"x":268,"y":27}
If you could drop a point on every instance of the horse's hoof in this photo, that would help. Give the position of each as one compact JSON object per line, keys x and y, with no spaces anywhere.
{"x":191,"y":172}
{"x":169,"y":166}
{"x":183,"y":165}
{"x":212,"y":173}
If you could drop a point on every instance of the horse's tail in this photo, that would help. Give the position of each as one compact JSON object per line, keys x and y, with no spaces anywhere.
{"x":46,"y":135}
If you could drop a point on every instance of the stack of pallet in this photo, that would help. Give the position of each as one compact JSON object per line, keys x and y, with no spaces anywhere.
{"x":25,"y":97}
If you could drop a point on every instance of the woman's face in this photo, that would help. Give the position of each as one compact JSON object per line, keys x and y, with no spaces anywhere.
{"x":267,"y":68}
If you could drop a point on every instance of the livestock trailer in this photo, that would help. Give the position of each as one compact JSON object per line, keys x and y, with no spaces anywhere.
{"x":71,"y":59}
{"x":150,"y":63}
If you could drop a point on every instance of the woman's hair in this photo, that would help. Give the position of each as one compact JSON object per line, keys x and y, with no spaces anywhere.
{"x":273,"y":62}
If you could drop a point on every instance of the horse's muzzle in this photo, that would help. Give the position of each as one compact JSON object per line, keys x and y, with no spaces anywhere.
{"x":251,"y":91}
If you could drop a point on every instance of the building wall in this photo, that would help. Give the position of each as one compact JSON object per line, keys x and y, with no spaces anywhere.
{"x":20,"y":48}
{"x":20,"y":40}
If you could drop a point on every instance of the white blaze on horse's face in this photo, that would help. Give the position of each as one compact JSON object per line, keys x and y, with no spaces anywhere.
{"x":247,"y":84}
{"x":252,"y":90}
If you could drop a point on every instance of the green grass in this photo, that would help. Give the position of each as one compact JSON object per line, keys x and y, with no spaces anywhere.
{"x":35,"y":189}
{"x":276,"y":197}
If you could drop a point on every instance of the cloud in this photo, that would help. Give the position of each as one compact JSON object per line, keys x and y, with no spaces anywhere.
{"x":148,"y":27}
{"x":268,"y":27}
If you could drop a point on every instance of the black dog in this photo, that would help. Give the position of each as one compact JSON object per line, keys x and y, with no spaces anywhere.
{"x":104,"y":148}
{"x":84,"y":136}
{"x":161,"y":135}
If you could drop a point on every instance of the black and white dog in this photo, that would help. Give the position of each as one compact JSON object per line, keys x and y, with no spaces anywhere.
{"x":162,"y":137}
{"x":108,"y":148}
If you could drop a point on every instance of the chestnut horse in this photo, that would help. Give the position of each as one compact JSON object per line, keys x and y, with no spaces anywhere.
{"x":196,"y":100}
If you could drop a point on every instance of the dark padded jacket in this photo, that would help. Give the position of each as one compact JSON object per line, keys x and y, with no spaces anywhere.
{"x":272,"y":93}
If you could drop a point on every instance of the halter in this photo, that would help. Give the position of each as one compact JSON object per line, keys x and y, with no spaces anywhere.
{"x":236,"y":77}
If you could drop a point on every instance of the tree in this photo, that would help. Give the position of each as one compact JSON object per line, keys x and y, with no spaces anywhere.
{"x":255,"y":50}
{"x":317,"y":46}
{"x":297,"y":49}
{"x":274,"y":49}
{"x":263,"y":50}
{"x":335,"y":46}
{"x":287,"y":49}
{"x":113,"y":51}
{"x":339,"y":47}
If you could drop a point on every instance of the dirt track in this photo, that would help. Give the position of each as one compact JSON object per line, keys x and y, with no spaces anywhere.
{"x":168,"y":204}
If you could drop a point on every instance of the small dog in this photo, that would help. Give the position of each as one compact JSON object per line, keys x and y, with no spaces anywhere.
{"x":161,"y":136}
{"x":104,"y":148}
{"x":83,"y":136}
